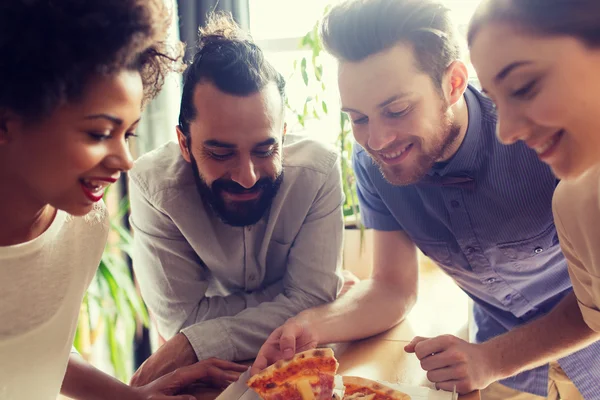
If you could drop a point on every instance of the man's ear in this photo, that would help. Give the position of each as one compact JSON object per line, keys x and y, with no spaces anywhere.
{"x":456,"y":80}
{"x":183,"y":145}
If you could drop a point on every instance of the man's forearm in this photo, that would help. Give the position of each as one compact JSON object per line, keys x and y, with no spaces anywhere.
{"x":83,"y":381}
{"x":559,"y":333}
{"x":377,"y":305}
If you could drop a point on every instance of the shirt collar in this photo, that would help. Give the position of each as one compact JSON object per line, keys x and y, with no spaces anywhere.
{"x":468,"y":156}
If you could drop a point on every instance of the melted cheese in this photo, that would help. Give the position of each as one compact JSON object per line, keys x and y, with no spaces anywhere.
{"x":305,"y":389}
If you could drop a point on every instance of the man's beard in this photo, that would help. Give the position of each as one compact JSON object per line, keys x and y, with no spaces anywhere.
{"x":401,"y":175}
{"x":241,"y":213}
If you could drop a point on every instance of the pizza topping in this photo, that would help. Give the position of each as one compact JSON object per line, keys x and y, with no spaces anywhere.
{"x":311,"y":376}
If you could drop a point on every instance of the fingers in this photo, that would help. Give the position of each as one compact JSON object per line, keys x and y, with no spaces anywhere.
{"x":447,"y":374}
{"x":136,"y":379}
{"x":216,"y":377}
{"x":449,"y":386}
{"x":260,"y":363}
{"x":203,"y":371}
{"x":425,"y":348}
{"x":410,"y":348}
{"x":349,"y":277}
{"x":441,"y":360}
{"x":290,"y":332}
{"x":226,"y":365}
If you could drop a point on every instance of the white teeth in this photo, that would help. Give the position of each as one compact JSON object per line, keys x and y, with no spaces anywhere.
{"x":395,"y":154}
{"x":542,"y":148}
{"x":95,"y":186}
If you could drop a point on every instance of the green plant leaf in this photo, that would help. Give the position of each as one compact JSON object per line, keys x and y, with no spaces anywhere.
{"x":324,"y":105}
{"x":116,"y":352}
{"x":319,"y":72}
{"x":300,"y":119}
{"x":303,"y":71}
{"x":306,"y":40}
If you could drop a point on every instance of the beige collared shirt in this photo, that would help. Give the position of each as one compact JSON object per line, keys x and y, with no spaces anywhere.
{"x":227,"y":288}
{"x":577,"y":217}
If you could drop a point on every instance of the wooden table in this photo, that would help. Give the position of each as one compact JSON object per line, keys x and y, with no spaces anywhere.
{"x":442,"y":308}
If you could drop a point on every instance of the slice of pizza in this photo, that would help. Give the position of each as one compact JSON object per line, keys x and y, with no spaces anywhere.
{"x":366,"y":389}
{"x":307,"y":376}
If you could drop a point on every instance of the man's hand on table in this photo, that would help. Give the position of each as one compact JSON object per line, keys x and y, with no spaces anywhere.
{"x":177,"y":357}
{"x":212,"y":372}
{"x":292,"y":337}
{"x":451,"y":361}
{"x":175,"y":353}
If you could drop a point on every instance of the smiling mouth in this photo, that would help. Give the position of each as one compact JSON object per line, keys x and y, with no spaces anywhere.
{"x":396,"y":155}
{"x":545,"y":147}
{"x":93,"y":188}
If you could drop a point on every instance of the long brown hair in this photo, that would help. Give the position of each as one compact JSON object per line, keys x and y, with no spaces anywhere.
{"x":577,"y":18}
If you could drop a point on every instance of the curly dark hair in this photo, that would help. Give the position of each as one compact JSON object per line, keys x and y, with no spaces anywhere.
{"x":51,"y":48}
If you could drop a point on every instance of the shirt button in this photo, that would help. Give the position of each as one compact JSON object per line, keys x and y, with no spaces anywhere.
{"x":508,"y":298}
{"x":490,"y":280}
{"x":470,"y":250}
{"x":455,"y":204}
{"x":538,"y":250}
{"x":251,"y":277}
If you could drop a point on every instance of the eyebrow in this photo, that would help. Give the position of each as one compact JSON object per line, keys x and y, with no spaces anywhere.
{"x":508,"y":69}
{"x":382,"y":104}
{"x":393,"y":99}
{"x":225,"y":145}
{"x":111,"y":118}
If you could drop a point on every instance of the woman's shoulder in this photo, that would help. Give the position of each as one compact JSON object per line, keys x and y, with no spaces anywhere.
{"x":576,"y":204}
{"x":580,"y":197}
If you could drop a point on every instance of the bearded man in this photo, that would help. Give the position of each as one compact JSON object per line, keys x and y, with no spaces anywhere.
{"x":235,"y":230}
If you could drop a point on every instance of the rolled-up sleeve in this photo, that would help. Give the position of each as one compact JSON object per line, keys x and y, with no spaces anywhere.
{"x":312,"y":278}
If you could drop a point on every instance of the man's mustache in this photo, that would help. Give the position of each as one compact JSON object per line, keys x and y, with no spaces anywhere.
{"x":230,"y":186}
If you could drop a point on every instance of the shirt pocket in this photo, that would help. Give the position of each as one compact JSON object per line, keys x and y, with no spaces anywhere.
{"x":537,"y":246}
{"x":437,"y":251}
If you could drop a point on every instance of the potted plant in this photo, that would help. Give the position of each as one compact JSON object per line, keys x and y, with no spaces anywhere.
{"x":357,"y":240}
{"x":112,"y":307}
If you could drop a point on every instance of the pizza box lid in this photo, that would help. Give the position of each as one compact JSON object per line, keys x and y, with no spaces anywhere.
{"x":240,"y":391}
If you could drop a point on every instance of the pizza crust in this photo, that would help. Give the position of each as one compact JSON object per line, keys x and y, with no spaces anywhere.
{"x":374,"y":386}
{"x":282,"y":364}
{"x":304,"y":373}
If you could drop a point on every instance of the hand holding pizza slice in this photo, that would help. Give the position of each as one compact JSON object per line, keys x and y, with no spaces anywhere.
{"x":307,"y":376}
{"x":310,"y":375}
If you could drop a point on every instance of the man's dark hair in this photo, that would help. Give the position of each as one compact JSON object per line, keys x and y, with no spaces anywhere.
{"x":576,"y":18}
{"x":229,"y":59}
{"x":357,"y":29}
{"x":51,"y":48}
